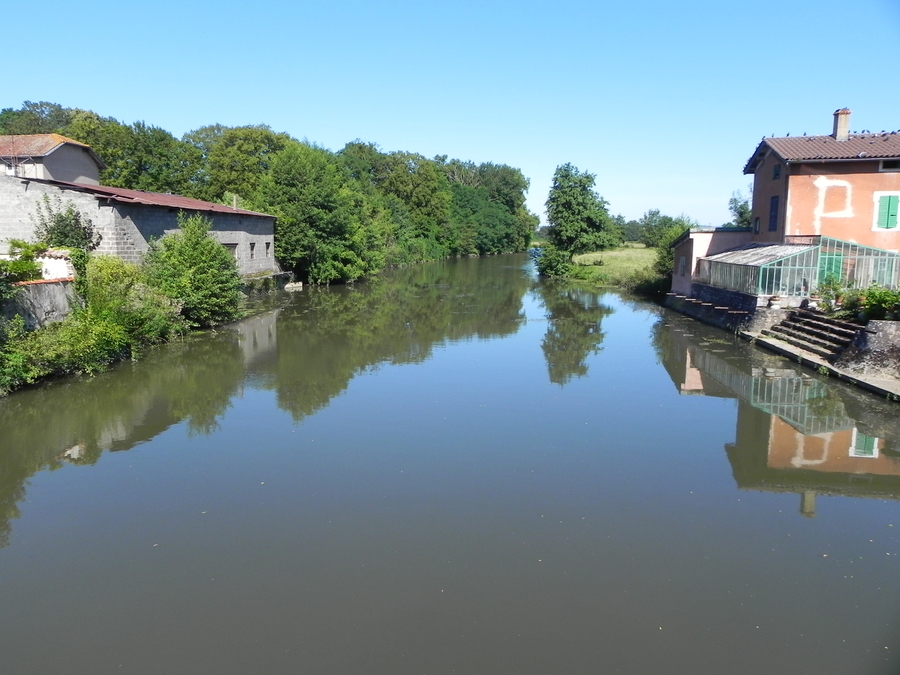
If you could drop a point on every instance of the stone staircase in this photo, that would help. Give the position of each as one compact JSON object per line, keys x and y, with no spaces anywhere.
{"x":815,"y":333}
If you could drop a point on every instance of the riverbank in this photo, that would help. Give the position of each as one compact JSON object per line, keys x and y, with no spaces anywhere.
{"x":750,"y":327}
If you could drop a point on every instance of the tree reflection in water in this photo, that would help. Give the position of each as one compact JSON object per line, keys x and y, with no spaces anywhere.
{"x":573,"y":332}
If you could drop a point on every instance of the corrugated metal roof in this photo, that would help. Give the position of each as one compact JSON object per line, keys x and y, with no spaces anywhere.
{"x":759,"y":254}
{"x":885,"y":145}
{"x":39,"y":145}
{"x":124,"y":196}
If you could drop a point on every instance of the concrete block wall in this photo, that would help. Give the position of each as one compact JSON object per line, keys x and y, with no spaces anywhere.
{"x":19,"y":199}
{"x":127,"y":228}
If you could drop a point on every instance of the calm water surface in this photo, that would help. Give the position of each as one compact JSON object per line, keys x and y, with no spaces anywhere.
{"x":453,"y":469}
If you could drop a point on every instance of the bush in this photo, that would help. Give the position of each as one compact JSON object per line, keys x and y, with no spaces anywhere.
{"x":62,"y":225}
{"x":879,"y":302}
{"x":118,"y":291}
{"x":195,"y":270}
{"x":21,"y":267}
{"x":552,"y":261}
{"x":80,"y":344}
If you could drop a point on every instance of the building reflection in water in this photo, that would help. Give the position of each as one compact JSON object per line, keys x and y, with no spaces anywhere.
{"x":796,"y":432}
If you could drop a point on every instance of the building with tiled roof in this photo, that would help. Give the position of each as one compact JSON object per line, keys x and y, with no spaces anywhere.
{"x":50,"y":157}
{"x":128,"y":219}
{"x":823,"y":206}
{"x":845,"y":185}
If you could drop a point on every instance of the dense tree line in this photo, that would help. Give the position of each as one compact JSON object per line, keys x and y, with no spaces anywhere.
{"x":341,"y":215}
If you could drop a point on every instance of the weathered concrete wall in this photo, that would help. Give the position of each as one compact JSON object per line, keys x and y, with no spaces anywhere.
{"x":20,"y":197}
{"x":250,"y":239}
{"x":41,"y":302}
{"x":127,"y":228}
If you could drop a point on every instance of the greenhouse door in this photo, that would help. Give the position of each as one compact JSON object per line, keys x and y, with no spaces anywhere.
{"x":831,"y":264}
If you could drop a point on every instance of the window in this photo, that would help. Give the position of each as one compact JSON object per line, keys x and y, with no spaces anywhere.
{"x":864,"y":446}
{"x":776,"y":172}
{"x":252,"y":250}
{"x":773,"y":214}
{"x":886,"y":208}
{"x":268,"y":248}
{"x":682,"y":265}
{"x":756,"y":226}
{"x":890,"y":165}
{"x":232,"y":248}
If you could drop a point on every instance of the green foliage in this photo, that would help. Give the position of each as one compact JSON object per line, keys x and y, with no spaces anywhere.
{"x":119,"y":290}
{"x":34,"y":118}
{"x":61,"y":225}
{"x":389,"y":209}
{"x":237,"y":157}
{"x":579,"y":221}
{"x":741,"y":213}
{"x":192,"y":268}
{"x":665,"y":255}
{"x":553,"y":262}
{"x":326,"y":231}
{"x":831,"y":292}
{"x":20,"y":266}
{"x":879,"y":303}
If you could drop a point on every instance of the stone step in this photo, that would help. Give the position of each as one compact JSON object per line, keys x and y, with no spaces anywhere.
{"x":802,"y":344}
{"x":835,"y":323}
{"x":823,"y":327}
{"x":809,"y":336}
{"x":815,"y":330}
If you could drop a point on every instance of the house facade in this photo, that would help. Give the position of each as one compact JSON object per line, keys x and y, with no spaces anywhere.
{"x":823,"y":207}
{"x":50,"y":157}
{"x":845,"y":186}
{"x":128,"y":219}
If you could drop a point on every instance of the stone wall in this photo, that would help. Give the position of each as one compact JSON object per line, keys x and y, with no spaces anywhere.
{"x":724,"y":296}
{"x":41,"y":302}
{"x":725,"y":316}
{"x":875,"y":352}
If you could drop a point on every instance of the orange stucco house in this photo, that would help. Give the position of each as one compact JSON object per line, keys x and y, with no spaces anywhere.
{"x":822,"y":206}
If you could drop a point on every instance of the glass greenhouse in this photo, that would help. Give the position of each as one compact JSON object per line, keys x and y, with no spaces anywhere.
{"x":798,"y":266}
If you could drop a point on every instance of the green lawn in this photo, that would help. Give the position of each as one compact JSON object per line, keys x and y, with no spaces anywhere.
{"x":618,"y":265}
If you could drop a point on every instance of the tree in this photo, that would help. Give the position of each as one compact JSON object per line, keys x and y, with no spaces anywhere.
{"x":741,"y":213}
{"x":34,"y":118}
{"x":325,"y":229}
{"x":190,"y":266}
{"x":237,"y":157}
{"x":579,"y":221}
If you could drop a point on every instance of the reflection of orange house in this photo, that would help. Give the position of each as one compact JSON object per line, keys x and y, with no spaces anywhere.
{"x":845,"y":186}
{"x":839,"y":451}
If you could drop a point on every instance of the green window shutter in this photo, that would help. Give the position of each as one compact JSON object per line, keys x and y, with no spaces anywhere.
{"x":887,"y":211}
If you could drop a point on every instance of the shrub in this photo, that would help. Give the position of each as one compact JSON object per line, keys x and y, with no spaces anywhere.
{"x":192,"y":268}
{"x":552,"y":261}
{"x":21,"y":266}
{"x":62,"y":225}
{"x":118,"y":291}
{"x":878,"y":302}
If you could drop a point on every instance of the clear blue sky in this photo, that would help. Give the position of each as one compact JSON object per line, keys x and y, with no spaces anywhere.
{"x":664,"y":101}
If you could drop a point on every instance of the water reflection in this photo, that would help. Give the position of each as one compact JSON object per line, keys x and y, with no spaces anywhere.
{"x":573,"y":329}
{"x":795,"y":432}
{"x":306,"y":352}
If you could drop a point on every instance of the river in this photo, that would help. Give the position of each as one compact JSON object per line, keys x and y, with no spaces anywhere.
{"x":456,"y":468}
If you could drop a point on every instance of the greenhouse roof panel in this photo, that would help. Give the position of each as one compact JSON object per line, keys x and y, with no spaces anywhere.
{"x":760,"y":254}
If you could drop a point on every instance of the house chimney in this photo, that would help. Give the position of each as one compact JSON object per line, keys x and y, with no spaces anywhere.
{"x":841,"y":124}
